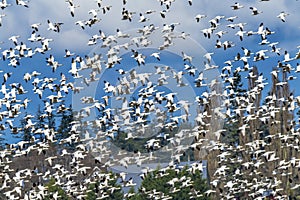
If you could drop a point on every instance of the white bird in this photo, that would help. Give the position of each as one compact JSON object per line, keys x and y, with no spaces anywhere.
{"x":274,"y":48}
{"x":50,"y":159}
{"x":143,"y":18}
{"x":72,"y":8}
{"x":81,"y":23}
{"x":260,"y":55}
{"x":287,"y":57}
{"x":156,"y":55}
{"x":54,"y":26}
{"x":1,"y":16}
{"x":14,"y":39}
{"x":260,"y":29}
{"x":236,"y":6}
{"x":122,"y":35}
{"x":297,"y":56}
{"x":207,"y":32}
{"x":282,"y":16}
{"x":22,"y":3}
{"x":255,"y":11}
{"x":183,"y":35}
{"x":298,"y":68}
{"x":209,"y":192}
{"x":93,"y":12}
{"x":99,"y":2}
{"x":35,"y":26}
{"x":231,"y":19}
{"x":127,"y":15}
{"x":148,"y":12}
{"x":186,"y":57}
{"x":140,"y":58}
{"x":240,"y":34}
{"x":220,"y":33}
{"x":207,"y":56}
{"x":4,"y":4}
{"x":163,"y":13}
{"x":34,"y":37}
{"x":199,"y":17}
{"x":68,"y":53}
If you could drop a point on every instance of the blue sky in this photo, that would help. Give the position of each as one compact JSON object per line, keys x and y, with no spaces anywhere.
{"x":18,"y":20}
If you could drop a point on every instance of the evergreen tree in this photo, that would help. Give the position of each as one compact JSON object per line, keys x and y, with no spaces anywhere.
{"x":25,"y":131}
{"x":132,"y":195}
{"x":64,"y":128}
{"x":232,"y":123}
{"x":2,"y":145}
{"x":116,"y":194}
{"x":42,"y":122}
{"x":163,"y":184}
{"x":51,"y":122}
{"x":112,"y":190}
{"x":39,"y":123}
{"x":232,"y":136}
{"x":91,"y":194}
{"x":54,"y":189}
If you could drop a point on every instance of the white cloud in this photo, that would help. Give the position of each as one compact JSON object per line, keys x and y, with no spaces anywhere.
{"x":19,"y":18}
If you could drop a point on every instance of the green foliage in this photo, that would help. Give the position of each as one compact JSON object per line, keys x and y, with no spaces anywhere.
{"x":131,"y":195}
{"x":91,"y":193}
{"x":54,"y":188}
{"x":132,"y":144}
{"x":116,"y":194}
{"x":2,"y":146}
{"x":51,"y":122}
{"x":231,"y":136}
{"x":232,"y":124}
{"x":237,"y":83}
{"x":26,"y":132}
{"x":154,"y":181}
{"x":113,"y":190}
{"x":40,"y":121}
{"x":64,"y":128}
{"x":138,"y":144}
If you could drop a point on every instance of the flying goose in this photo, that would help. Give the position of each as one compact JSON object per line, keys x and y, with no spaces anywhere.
{"x":282,"y":16}
{"x":255,"y":11}
{"x":236,"y":6}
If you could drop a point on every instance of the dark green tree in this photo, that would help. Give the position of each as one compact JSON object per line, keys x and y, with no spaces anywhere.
{"x":112,"y":191}
{"x":2,"y":145}
{"x":54,"y":189}
{"x":26,"y":132}
{"x":64,"y":128}
{"x":231,"y":125}
{"x":117,"y":193}
{"x":132,"y":195}
{"x":39,"y":123}
{"x":92,"y":193}
{"x":50,"y":119}
{"x":163,"y":184}
{"x":51,"y":122}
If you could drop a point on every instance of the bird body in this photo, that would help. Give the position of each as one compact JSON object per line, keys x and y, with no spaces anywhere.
{"x":237,"y":6}
{"x":282,"y":16}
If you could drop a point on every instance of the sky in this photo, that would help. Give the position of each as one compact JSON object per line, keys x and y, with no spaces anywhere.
{"x":18,"y":20}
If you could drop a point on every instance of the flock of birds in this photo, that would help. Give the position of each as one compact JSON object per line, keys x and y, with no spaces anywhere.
{"x":56,"y":86}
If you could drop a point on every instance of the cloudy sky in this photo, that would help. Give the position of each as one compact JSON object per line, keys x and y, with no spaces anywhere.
{"x":18,"y":19}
